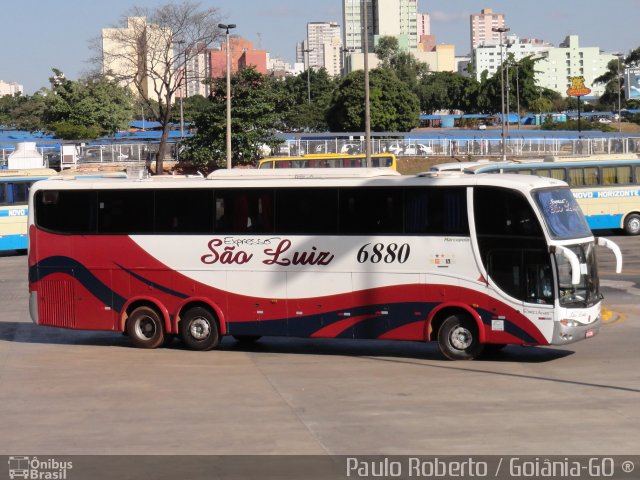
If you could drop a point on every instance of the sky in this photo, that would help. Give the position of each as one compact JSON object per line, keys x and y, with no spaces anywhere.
{"x":38,"y":35}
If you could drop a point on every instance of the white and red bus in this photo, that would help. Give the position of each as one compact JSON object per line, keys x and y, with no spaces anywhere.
{"x":469,"y":261}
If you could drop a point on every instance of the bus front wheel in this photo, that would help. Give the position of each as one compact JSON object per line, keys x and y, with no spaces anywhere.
{"x":458,"y":338}
{"x":632,"y":224}
{"x":199,"y":329}
{"x":145,"y":328}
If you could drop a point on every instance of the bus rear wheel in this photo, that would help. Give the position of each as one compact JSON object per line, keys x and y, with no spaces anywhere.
{"x":199,"y":329}
{"x":145,"y":328}
{"x":632,"y":224}
{"x":458,"y":338}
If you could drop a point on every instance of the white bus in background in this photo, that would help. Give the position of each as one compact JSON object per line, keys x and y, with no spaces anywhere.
{"x":471,"y":262}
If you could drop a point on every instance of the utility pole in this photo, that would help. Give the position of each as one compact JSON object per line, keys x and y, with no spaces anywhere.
{"x":367,"y":109}
{"x":502,"y":30}
{"x":228,"y":27}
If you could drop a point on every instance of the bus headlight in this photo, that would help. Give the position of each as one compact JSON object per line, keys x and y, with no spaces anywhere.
{"x":569,"y":323}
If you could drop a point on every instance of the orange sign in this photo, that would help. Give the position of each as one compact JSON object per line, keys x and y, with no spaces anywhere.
{"x":577,"y":88}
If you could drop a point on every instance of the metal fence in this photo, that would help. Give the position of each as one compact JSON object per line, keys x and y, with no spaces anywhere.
{"x":467,"y":146}
{"x":67,"y":156}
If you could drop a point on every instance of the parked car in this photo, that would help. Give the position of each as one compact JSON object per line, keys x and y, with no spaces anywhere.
{"x":350,"y":148}
{"x":417,"y":149}
{"x":604,"y":120}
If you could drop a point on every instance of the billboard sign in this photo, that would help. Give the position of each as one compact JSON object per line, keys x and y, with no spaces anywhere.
{"x":632,"y":82}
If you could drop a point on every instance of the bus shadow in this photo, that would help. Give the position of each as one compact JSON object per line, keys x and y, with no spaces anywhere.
{"x":23,"y":332}
{"x":382,"y":348}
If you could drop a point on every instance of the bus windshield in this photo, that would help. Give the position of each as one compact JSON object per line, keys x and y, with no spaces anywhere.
{"x":561,"y":213}
{"x":587,"y":291}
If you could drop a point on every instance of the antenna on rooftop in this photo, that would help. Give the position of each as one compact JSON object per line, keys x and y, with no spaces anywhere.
{"x":259,"y":41}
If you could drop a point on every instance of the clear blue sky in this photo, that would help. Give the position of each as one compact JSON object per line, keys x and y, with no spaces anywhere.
{"x":37,"y":35}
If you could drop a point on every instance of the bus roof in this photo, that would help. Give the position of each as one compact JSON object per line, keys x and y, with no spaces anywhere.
{"x":317,"y":178}
{"x":28,"y":172}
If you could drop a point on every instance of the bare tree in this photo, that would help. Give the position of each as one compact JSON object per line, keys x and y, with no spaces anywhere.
{"x":152,"y":50}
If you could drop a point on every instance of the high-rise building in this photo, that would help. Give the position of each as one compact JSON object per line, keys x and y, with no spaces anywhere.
{"x":241,"y":55}
{"x":569,"y":59}
{"x":395,"y":18}
{"x":323,"y":40}
{"x":10,"y":88}
{"x":129,"y":53}
{"x":423,"y":23}
{"x":488,"y":56}
{"x":482,"y":25}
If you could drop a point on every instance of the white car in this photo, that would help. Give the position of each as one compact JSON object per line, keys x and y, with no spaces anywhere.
{"x":350,"y":148}
{"x":604,"y":120}
{"x":417,"y":149}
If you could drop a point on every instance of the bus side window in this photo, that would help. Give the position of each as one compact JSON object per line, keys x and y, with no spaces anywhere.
{"x":591,"y":176}
{"x":3,"y":193}
{"x":20,"y":192}
{"x":576,"y":177}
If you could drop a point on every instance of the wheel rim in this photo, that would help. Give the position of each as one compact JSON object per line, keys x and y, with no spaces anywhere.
{"x":200,"y":328}
{"x":634,"y":225}
{"x":146,"y":328}
{"x":461,"y":338}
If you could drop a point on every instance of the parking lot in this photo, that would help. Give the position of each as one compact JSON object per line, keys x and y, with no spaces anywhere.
{"x":74,"y":392}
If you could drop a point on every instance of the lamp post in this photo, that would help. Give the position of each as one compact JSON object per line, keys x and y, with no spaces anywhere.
{"x":228,"y":27}
{"x":501,"y":31}
{"x":367,"y":107}
{"x":307,"y":51}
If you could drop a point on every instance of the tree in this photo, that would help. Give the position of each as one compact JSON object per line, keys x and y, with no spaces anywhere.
{"x":150,"y":53}
{"x":406,"y":67}
{"x":394,"y":107}
{"x":26,"y":112}
{"x":86,"y":108}
{"x":297,"y":112}
{"x":447,"y":91}
{"x":253,"y":116}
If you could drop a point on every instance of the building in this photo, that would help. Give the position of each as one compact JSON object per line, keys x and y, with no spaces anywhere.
{"x":396,"y":18}
{"x":488,"y":56}
{"x":441,"y":58}
{"x":324,"y":45}
{"x":11,"y":88}
{"x":393,"y":18}
{"x":423,"y":24}
{"x":128,"y":53}
{"x":194,"y":72}
{"x":569,"y":59}
{"x":482,"y":25}
{"x":241,"y":55}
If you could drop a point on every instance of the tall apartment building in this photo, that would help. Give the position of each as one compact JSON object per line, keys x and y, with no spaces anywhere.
{"x":129,"y":52}
{"x":488,"y":56}
{"x":323,"y":38}
{"x":193,"y":73}
{"x":569,"y":59}
{"x":10,"y":88}
{"x":423,"y":24}
{"x":396,"y":18}
{"x":481,"y":27}
{"x":241,"y":55}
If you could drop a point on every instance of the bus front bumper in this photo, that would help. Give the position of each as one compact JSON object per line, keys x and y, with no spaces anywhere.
{"x":570,"y":332}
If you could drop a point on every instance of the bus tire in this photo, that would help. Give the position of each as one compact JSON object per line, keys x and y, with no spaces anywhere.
{"x":632,"y":224}
{"x":145,"y":328}
{"x":458,"y":338}
{"x":247,"y":339}
{"x":199,"y":329}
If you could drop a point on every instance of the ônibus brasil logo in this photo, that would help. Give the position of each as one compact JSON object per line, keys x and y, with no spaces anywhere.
{"x":38,"y":469}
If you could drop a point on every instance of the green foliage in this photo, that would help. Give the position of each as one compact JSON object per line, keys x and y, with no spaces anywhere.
{"x":73,"y":131}
{"x":252,"y":118}
{"x":404,"y":65}
{"x":448,"y":90}
{"x":394,"y":107}
{"x":635,"y":118}
{"x":23,"y":112}
{"x":95,"y":102}
{"x":297,"y":112}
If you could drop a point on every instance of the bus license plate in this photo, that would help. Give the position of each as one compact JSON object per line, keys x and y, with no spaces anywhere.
{"x":589,"y":334}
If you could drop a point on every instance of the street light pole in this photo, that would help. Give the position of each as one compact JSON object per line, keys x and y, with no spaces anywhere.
{"x":228,"y":27}
{"x":501,"y":31}
{"x":367,"y":107}
{"x":518,"y":92}
{"x":307,"y":51}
